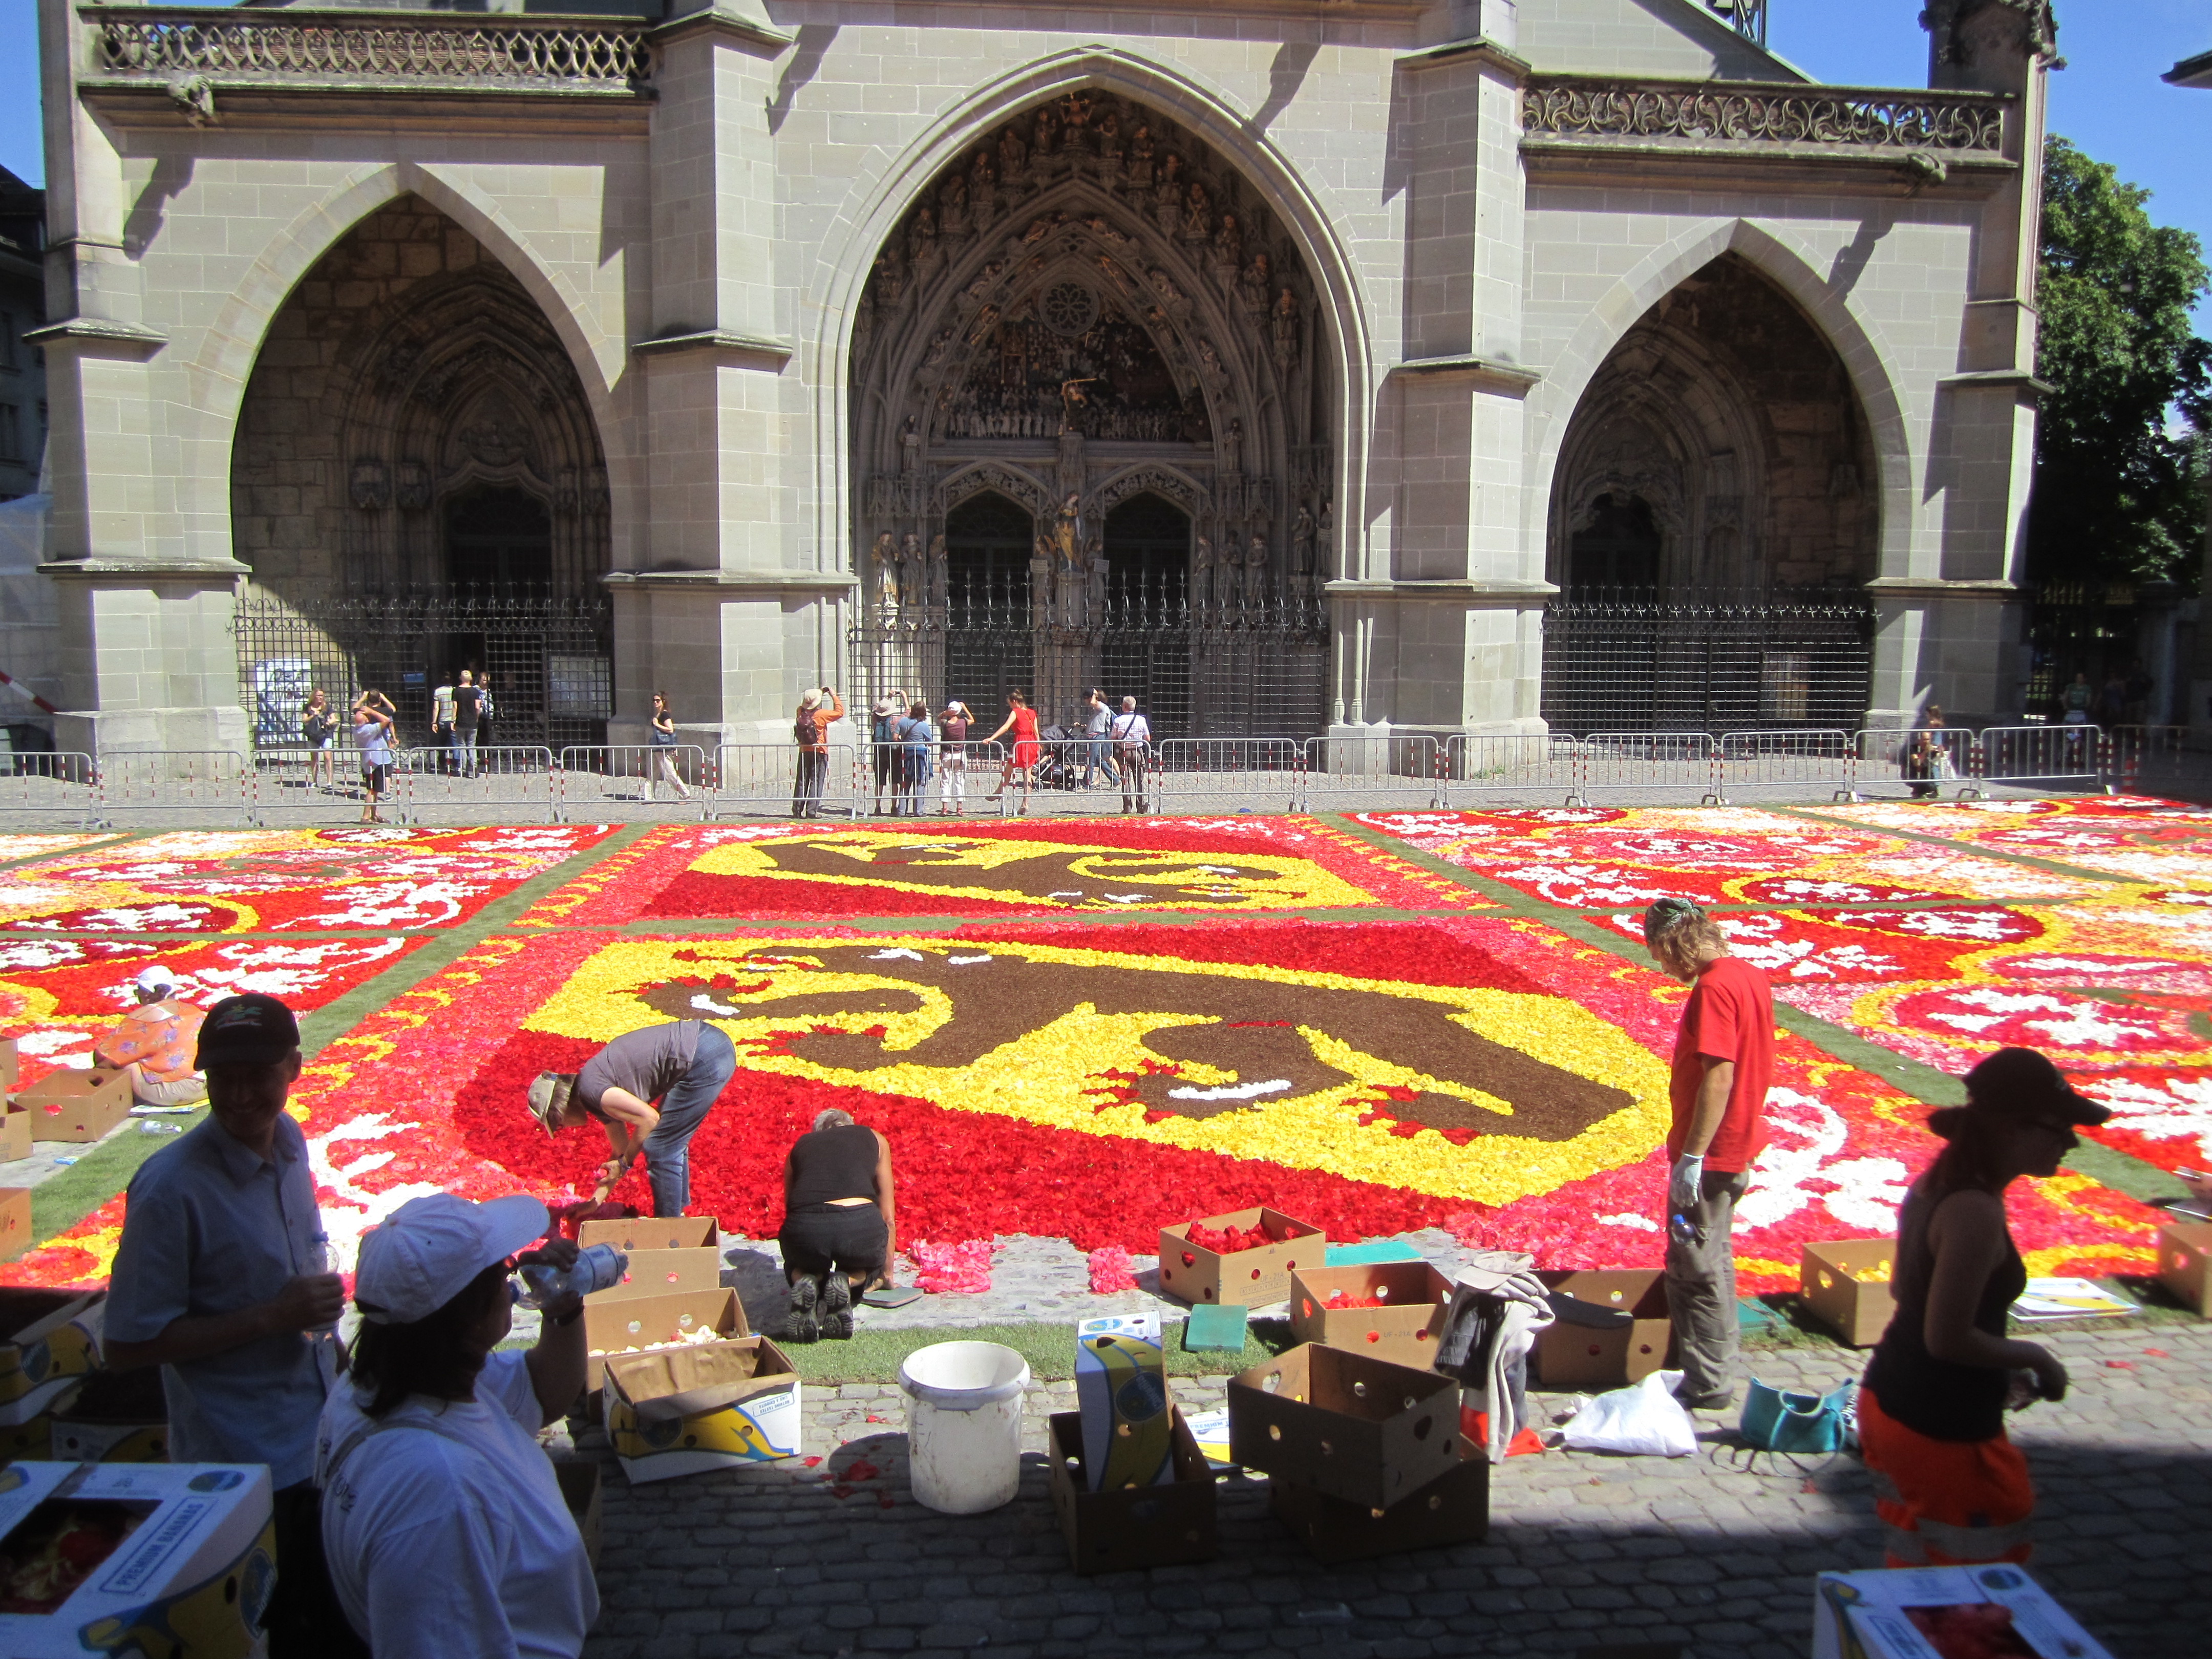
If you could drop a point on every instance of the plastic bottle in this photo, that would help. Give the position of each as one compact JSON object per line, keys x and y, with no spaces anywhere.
{"x":598,"y":1267}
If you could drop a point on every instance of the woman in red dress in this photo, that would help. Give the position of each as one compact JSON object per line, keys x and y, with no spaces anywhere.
{"x":1021,"y":721}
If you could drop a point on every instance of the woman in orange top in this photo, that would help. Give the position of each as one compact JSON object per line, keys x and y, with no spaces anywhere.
{"x":1021,"y":721}
{"x":154,"y":1044}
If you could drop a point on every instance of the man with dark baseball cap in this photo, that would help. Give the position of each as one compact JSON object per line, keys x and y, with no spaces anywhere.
{"x":222,"y":1279}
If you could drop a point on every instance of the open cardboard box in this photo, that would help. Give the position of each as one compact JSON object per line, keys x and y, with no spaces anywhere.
{"x":16,"y":1135}
{"x":1828,"y":1283}
{"x":47,"y":1339}
{"x":642,"y":1232}
{"x":666,"y":1273}
{"x":1891,"y":1613}
{"x":1251,"y":1277}
{"x":1612,"y":1329}
{"x":1404,"y":1331}
{"x":613,"y":1329}
{"x":2184,"y":1263}
{"x":190,"y":1580}
{"x":682,"y":1411}
{"x":1161,"y":1526}
{"x":78,"y":1106}
{"x":15,"y":1221}
{"x":9,"y":1075}
{"x":1452,"y":1509}
{"x":1359,"y":1428}
{"x":115,"y":1417}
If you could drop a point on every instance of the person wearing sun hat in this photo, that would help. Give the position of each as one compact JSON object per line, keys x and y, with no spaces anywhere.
{"x":683,"y":1065}
{"x":222,"y":1278}
{"x":1952,"y":1490}
{"x":154,"y":1044}
{"x":443,"y":1521}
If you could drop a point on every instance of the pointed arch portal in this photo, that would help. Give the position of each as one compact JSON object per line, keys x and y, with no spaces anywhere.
{"x":1087,"y":439}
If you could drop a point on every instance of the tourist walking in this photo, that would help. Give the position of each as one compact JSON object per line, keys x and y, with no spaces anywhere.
{"x":818,"y":710}
{"x":446,"y":1529}
{"x":683,"y":1065}
{"x":1951,"y":1488}
{"x":840,"y":1224}
{"x":154,"y":1043}
{"x":469,"y":704}
{"x":222,"y":1279}
{"x":1724,"y":1062}
{"x":441,"y":725}
{"x":1021,"y":760}
{"x":953,"y":726}
{"x":885,"y":713}
{"x":318,"y":730}
{"x":1097,"y":750}
{"x":1132,"y":736}
{"x":372,"y":735}
{"x":663,"y":768}
{"x":913,"y":739}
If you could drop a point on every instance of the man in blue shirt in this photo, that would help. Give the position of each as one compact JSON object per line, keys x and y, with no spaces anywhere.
{"x":222,"y":1279}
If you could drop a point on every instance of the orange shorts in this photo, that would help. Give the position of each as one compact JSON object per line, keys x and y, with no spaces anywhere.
{"x":1946,"y":1503}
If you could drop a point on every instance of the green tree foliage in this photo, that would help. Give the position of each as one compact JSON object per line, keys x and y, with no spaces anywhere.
{"x":2116,"y":494}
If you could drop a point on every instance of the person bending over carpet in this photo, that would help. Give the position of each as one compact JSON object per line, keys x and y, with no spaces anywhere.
{"x":683,"y":1065}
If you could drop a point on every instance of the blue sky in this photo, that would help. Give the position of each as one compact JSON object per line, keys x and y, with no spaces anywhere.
{"x":2109,"y":99}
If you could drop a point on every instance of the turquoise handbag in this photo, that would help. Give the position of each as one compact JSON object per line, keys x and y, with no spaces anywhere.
{"x":1781,"y":1421}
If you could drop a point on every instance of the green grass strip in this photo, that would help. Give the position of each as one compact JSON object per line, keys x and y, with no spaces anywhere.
{"x":2028,"y":860}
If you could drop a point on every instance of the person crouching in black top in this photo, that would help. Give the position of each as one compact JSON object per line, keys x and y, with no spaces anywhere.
{"x":840,"y":1230}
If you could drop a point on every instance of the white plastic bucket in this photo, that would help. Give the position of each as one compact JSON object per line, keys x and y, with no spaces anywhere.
{"x":964,"y":1425}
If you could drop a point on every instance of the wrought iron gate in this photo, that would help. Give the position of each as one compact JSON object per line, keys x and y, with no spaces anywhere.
{"x":546,"y":660}
{"x":1625,"y":662}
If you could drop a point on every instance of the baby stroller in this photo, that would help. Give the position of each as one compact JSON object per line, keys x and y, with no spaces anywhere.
{"x":1059,"y":765}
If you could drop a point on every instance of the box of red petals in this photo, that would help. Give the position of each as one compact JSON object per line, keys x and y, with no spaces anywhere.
{"x":171,"y":1558}
{"x":1994,"y":1612}
{"x":1394,"y":1310}
{"x":1246,"y":1257}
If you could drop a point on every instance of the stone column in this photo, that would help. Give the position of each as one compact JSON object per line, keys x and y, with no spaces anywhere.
{"x":147,"y":660}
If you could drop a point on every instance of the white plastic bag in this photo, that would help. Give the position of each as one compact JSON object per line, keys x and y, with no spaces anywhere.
{"x":1645,"y":1420}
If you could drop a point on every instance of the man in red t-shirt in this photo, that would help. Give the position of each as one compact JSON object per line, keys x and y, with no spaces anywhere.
{"x":1724,"y":1062}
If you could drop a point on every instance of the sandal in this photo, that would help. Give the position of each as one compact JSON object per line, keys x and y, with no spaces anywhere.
{"x":836,"y":1306}
{"x":802,"y":1326}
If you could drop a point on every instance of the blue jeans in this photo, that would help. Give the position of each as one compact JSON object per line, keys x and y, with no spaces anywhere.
{"x":1097,"y":758}
{"x":683,"y":1109}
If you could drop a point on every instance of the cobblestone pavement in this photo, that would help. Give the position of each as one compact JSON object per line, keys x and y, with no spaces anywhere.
{"x":1584,"y":1550}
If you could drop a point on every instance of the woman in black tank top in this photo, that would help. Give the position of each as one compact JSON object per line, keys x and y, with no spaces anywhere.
{"x":1951,"y":1488}
{"x":840,"y":1227}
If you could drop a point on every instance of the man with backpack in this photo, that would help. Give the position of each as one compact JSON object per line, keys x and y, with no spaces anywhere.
{"x":818,"y":710}
{"x":1133,"y":737}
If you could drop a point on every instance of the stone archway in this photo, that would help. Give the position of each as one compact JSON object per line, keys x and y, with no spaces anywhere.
{"x":1086,"y":306}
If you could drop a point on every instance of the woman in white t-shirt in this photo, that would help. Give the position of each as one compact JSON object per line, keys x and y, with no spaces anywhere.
{"x":443,"y":1522}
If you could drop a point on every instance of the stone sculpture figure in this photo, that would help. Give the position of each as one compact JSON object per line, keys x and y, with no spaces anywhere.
{"x":1110,"y":142}
{"x":885,"y":572}
{"x":1014,"y":158}
{"x":1285,"y":329}
{"x":1201,"y":572}
{"x":1140,"y":158}
{"x":1197,"y":213}
{"x":1252,"y":287}
{"x":913,"y":574}
{"x":1229,"y":447}
{"x":1075,"y":118}
{"x":1229,"y":243}
{"x":1302,"y":543}
{"x":940,"y":349}
{"x":1041,"y":138}
{"x":1255,"y":568}
{"x":952,"y":206}
{"x":940,"y":572}
{"x":910,"y":446}
{"x":982,"y":182}
{"x":1068,"y":534}
{"x":921,"y":237}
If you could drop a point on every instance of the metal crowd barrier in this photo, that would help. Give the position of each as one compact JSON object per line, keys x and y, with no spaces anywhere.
{"x":1519,"y":763}
{"x":1645,"y":763}
{"x":2133,"y":752}
{"x":1919,"y":764}
{"x":216,"y":780}
{"x":962,"y":776}
{"x":521,"y":777}
{"x":1403,"y":772}
{"x":2040,"y":754}
{"x":764,"y":780}
{"x":52,"y":783}
{"x":1814,"y":759}
{"x":317,"y":783}
{"x":910,"y":780}
{"x":624,"y":779}
{"x":1256,"y":774}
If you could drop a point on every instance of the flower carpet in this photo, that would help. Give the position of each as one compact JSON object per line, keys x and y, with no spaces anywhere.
{"x":1087,"y":1030}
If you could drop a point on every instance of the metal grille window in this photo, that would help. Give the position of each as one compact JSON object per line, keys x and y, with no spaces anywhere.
{"x":1620,"y":661}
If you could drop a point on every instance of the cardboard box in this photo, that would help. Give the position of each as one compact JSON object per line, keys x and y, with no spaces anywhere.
{"x":71,"y":1105}
{"x":1121,"y":1401}
{"x":1452,"y":1509}
{"x":666,"y":1273}
{"x":32,"y":1437}
{"x":581,"y":1491}
{"x":2185,"y":1264}
{"x":1855,"y":1309}
{"x":640,"y":1232}
{"x":1253,"y":1278}
{"x":1863,"y":1615}
{"x":15,"y":1221}
{"x":1158,"y":1526}
{"x":14,"y":1132}
{"x":9,"y":1074}
{"x":46,"y":1338}
{"x":1612,"y":1328}
{"x":1404,"y":1332}
{"x":115,"y":1417}
{"x":683,"y":1411}
{"x":192,"y":1582}
{"x":612,"y":1329}
{"x":1356,"y":1428}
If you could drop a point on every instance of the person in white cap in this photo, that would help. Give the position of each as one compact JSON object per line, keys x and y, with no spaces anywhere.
{"x":154,"y":1044}
{"x":443,"y":1520}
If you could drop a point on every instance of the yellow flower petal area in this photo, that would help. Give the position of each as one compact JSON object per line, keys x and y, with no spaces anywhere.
{"x":1293,"y":881}
{"x":1055,"y":1073}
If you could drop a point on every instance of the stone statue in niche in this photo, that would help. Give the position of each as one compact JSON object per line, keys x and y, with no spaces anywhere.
{"x":1255,"y":568}
{"x":1285,"y":330}
{"x":1013,"y":159}
{"x":1163,"y":285}
{"x":890,"y":283}
{"x":1210,"y":365}
{"x":1325,"y":533}
{"x":1230,"y":449}
{"x":982,"y":188}
{"x":1302,"y":543}
{"x":952,"y":206}
{"x":985,"y":320}
{"x":884,"y":575}
{"x":1074,"y":120}
{"x":1252,"y":287}
{"x":1229,"y":247}
{"x":979,"y":290}
{"x":1041,"y":135}
{"x":1110,"y":142}
{"x":1068,"y":534}
{"x":1140,"y":158}
{"x":910,"y":446}
{"x":1197,"y":213}
{"x":940,"y":572}
{"x":1201,"y":571}
{"x":413,"y":493}
{"x":914,"y":576}
{"x":921,"y":237}
{"x":863,"y":322}
{"x":1228,"y":571}
{"x":939,"y":350}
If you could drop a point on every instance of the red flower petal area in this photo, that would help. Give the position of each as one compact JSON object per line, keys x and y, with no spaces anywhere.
{"x":2161,"y":1114}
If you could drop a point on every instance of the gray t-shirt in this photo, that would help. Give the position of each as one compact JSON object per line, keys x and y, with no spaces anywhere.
{"x":1101,"y":719}
{"x":646,"y":1063}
